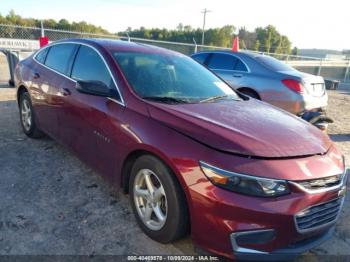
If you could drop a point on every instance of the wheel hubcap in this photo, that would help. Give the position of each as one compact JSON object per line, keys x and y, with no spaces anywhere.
{"x":26,"y":115}
{"x":150,"y":199}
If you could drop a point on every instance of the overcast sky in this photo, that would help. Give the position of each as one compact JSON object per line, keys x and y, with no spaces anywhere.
{"x":307,"y":23}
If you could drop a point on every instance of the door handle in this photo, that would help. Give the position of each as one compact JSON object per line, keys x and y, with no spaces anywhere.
{"x":66,"y":92}
{"x":237,"y":75}
{"x":36,"y":76}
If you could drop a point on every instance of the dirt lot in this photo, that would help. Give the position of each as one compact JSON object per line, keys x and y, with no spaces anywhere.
{"x":51,"y":203}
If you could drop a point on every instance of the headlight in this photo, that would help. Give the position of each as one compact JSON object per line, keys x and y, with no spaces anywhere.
{"x":244,"y":184}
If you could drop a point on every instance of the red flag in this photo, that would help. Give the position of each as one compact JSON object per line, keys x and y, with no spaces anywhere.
{"x":235,"y":44}
{"x":43,"y":41}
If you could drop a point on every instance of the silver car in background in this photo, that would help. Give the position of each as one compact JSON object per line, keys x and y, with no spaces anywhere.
{"x":268,"y":79}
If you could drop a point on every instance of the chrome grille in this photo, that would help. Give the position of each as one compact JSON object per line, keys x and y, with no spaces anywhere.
{"x":319,"y":215}
{"x":321,"y":183}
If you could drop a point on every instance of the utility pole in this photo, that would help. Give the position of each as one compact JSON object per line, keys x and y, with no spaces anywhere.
{"x":205,"y":11}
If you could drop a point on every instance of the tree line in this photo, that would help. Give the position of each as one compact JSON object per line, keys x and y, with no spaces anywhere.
{"x":263,"y":39}
{"x":13,"y":19}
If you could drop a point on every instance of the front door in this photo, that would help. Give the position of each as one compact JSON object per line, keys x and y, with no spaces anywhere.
{"x":89,"y":123}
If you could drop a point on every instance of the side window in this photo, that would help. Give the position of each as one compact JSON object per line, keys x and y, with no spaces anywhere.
{"x":200,"y":58}
{"x":89,"y":66}
{"x":222,"y":61}
{"x":41,"y":56}
{"x":240,"y":66}
{"x":59,"y":56}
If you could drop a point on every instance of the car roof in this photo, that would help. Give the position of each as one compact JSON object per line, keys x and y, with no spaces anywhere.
{"x":120,"y":45}
{"x":229,"y":52}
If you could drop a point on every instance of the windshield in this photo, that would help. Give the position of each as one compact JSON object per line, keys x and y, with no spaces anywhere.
{"x":171,"y":78}
{"x":273,"y":63}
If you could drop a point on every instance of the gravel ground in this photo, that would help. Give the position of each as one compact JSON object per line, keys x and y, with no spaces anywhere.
{"x":53,"y":204}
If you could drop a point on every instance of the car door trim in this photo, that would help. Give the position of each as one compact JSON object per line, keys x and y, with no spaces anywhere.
{"x":121,"y":102}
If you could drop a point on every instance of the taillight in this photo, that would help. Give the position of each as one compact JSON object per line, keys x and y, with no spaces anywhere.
{"x":293,"y":85}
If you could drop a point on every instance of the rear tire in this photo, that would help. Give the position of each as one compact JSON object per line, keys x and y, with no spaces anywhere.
{"x":27,"y":117}
{"x":148,"y":206}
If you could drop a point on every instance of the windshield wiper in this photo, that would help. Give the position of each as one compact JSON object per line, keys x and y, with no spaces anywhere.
{"x":213,"y":98}
{"x":166,"y":99}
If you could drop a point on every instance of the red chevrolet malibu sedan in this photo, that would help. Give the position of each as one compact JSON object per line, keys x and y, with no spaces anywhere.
{"x":245,"y":179}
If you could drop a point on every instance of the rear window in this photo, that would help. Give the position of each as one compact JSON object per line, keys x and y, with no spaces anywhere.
{"x":41,"y":56}
{"x":222,"y":61}
{"x":59,"y":56}
{"x":200,"y":58}
{"x":240,"y":66}
{"x":273,"y":63}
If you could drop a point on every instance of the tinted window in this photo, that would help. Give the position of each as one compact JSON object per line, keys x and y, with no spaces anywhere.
{"x":200,"y":58}
{"x":42,"y":55}
{"x":171,"y":76}
{"x":273,"y":63}
{"x":89,"y":66}
{"x":222,"y":61}
{"x":240,"y":66}
{"x":59,"y":56}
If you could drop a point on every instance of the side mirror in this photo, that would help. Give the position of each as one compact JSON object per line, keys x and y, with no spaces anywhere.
{"x":95,"y":88}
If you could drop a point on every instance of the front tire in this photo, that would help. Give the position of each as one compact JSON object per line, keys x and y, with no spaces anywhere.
{"x":27,"y":118}
{"x":157,"y":200}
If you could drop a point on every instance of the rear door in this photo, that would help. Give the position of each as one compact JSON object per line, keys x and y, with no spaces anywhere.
{"x":229,"y":67}
{"x":89,"y":124}
{"x":51,"y":76}
{"x":200,"y":57}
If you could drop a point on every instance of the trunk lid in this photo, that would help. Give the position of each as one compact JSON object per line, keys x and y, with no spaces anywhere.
{"x":314,"y":85}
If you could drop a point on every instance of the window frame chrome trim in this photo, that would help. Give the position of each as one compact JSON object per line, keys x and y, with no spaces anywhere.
{"x":121,"y":102}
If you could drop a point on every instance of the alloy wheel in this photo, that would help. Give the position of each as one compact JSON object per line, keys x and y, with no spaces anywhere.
{"x":150,"y":199}
{"x":26,"y":114}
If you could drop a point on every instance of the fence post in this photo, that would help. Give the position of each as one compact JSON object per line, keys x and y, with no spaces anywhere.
{"x":42,"y":28}
{"x":347,"y":71}
{"x":320,"y":67}
{"x":195,"y":45}
{"x":287,"y":58}
{"x":128,"y":36}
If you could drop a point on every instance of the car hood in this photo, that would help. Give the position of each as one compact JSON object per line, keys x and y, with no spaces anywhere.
{"x":250,"y":128}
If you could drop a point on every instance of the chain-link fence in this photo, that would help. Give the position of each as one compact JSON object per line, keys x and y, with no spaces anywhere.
{"x":328,"y":68}
{"x":33,"y":33}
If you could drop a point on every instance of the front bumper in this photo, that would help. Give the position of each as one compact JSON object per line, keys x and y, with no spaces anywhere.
{"x":220,"y":215}
{"x":288,"y":253}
